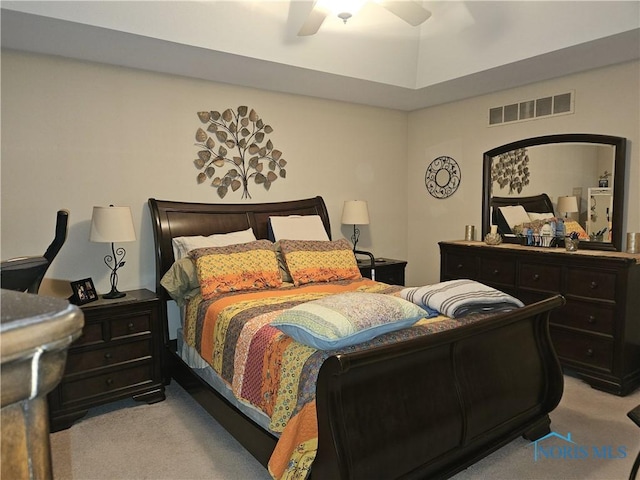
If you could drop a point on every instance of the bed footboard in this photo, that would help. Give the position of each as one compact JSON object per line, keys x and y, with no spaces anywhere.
{"x":433,"y":406}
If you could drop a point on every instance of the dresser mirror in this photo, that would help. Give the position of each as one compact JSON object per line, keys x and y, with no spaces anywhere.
{"x":589,"y":167}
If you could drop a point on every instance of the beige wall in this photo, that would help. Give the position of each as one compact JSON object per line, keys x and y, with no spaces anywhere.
{"x":606,"y":102}
{"x":77,"y":134}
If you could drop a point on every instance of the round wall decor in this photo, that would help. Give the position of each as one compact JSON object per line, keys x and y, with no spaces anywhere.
{"x":443,"y":177}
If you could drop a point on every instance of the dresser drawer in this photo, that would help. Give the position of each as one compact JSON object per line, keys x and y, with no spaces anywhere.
{"x":590,"y":283}
{"x":106,"y":384}
{"x":541,"y":277}
{"x":79,"y":361}
{"x":586,"y":316}
{"x":583,"y":348}
{"x":496,"y":270}
{"x":460,"y":266}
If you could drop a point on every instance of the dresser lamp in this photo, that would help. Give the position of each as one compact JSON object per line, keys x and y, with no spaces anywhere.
{"x":355,"y":212}
{"x":567,"y":205}
{"x":109,"y":225}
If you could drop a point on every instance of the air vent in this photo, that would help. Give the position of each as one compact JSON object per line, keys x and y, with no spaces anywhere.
{"x":561,"y":104}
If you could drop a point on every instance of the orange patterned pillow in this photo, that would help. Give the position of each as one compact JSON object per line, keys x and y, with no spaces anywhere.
{"x":571,"y":226}
{"x":244,"y":266}
{"x":319,"y":261}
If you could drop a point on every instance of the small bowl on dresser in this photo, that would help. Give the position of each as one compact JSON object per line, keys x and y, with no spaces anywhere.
{"x":493,"y":239}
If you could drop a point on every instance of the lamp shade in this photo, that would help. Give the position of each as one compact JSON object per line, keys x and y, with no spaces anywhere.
{"x":567,"y":204}
{"x":112,"y":224}
{"x":355,"y":212}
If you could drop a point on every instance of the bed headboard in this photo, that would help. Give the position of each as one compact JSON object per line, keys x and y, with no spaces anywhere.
{"x":175,"y":219}
{"x":536,"y":203}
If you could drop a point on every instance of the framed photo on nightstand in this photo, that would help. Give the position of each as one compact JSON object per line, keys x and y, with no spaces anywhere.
{"x":83,"y":292}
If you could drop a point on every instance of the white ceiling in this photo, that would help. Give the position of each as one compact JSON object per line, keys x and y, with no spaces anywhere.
{"x":464,"y":49}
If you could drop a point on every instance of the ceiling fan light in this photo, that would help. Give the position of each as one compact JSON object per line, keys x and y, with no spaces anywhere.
{"x":344,"y":16}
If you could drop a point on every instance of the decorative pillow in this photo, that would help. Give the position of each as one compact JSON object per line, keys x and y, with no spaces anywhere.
{"x":344,"y":319}
{"x":571,"y":226}
{"x":183,"y":245}
{"x":244,"y":266}
{"x":181,"y":280}
{"x":297,"y":227}
{"x":314,"y":261}
{"x":514,"y":215}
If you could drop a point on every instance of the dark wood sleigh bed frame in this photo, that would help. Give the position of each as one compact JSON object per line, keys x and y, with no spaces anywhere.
{"x":536,"y":203}
{"x":424,"y":408}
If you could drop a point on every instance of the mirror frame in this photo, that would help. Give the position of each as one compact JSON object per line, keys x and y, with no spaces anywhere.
{"x":620,"y":158}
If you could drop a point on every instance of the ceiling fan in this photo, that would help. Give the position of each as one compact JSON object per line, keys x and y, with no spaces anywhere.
{"x":411,"y":12}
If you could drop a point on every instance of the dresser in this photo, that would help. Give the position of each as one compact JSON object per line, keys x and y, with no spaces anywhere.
{"x":117,"y":356}
{"x":387,"y":270}
{"x":597,"y":333}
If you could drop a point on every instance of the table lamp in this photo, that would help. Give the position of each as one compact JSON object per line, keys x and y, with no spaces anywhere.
{"x":567,"y":205}
{"x":109,"y":225}
{"x":355,"y":212}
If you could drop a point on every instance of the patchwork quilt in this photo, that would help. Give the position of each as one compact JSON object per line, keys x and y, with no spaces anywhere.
{"x":267,"y":369}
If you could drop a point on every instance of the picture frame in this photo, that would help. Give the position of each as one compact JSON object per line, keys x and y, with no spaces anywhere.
{"x":83,"y":292}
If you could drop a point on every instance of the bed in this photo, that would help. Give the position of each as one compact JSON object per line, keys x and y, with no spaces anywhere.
{"x":428,"y":406}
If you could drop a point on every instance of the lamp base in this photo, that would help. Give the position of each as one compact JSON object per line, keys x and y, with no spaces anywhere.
{"x":113,"y":294}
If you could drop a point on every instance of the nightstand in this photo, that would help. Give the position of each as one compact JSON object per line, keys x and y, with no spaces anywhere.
{"x":117,"y":356}
{"x":387,"y":270}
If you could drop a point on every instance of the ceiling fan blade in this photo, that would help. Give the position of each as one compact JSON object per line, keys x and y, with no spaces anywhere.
{"x":312,"y":24}
{"x":411,"y":12}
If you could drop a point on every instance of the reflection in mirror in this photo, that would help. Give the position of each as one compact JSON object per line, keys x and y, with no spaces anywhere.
{"x":586,"y":171}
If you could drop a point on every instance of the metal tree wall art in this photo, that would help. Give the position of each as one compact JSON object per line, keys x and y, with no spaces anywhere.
{"x":241,"y":148}
{"x":511,"y":169}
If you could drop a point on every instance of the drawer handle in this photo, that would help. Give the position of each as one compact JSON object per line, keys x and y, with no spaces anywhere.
{"x":496,"y":272}
{"x":108,"y":356}
{"x":130,"y":326}
{"x":536,"y":277}
{"x":592,"y":319}
{"x":594,"y":285}
{"x":459,"y":266}
{"x":589,"y":352}
{"x":109,"y":382}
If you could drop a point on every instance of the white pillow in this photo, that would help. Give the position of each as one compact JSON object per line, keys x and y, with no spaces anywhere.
{"x":514,"y":215}
{"x":183,"y":245}
{"x":298,"y":227}
{"x":539,"y":216}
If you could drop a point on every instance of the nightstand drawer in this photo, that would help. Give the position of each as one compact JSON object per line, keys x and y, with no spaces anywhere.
{"x":590,"y":283}
{"x":498,"y":271}
{"x":540,"y":277}
{"x":393,"y":275}
{"x":130,"y":325}
{"x":78,"y":362}
{"x":108,"y":383}
{"x":387,"y":270}
{"x":91,"y":334}
{"x":586,"y":316}
{"x":583,"y":348}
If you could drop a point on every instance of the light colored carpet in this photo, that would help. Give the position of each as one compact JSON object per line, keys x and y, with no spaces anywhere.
{"x":176,"y":439}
